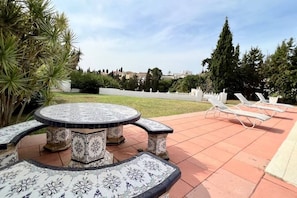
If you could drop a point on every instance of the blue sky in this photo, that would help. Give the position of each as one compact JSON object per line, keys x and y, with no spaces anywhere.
{"x":172,"y":35}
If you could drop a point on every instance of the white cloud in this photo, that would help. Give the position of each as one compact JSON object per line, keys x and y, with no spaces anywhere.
{"x":172,"y":34}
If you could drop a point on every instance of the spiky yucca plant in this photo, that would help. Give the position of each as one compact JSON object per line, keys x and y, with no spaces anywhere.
{"x":36,"y":52}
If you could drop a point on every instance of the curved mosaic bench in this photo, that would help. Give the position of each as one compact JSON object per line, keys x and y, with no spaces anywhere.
{"x":144,"y":175}
{"x":11,"y":135}
{"x":157,"y":134}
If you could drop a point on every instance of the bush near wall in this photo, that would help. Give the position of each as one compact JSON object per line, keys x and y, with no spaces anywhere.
{"x":90,"y":82}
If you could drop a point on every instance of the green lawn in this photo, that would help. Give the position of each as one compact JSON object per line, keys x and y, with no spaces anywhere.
{"x":148,"y":107}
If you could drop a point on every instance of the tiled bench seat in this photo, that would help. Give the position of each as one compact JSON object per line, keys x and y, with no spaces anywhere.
{"x":144,"y":175}
{"x":11,"y":135}
{"x":157,"y":134}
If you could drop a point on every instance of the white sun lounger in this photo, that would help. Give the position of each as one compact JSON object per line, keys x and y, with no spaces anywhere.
{"x":240,"y":115}
{"x":268,"y":110}
{"x":265,"y":101}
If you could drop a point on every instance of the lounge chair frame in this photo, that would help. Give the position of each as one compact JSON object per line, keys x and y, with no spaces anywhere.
{"x":263,"y":100}
{"x":268,"y":110}
{"x":252,"y":117}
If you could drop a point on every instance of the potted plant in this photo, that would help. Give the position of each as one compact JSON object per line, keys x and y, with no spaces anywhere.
{"x":273,"y":98}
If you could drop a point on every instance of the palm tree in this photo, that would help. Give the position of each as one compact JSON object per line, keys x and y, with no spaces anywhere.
{"x":36,"y":52}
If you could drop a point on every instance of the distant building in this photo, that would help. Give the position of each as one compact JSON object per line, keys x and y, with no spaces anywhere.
{"x":142,"y":75}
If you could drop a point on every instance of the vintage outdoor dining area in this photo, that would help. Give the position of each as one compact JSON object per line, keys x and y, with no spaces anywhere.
{"x":217,"y":156}
{"x":85,"y":129}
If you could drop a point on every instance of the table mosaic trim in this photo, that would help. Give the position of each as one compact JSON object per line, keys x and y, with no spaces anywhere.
{"x":141,"y":176}
{"x":86,"y":115}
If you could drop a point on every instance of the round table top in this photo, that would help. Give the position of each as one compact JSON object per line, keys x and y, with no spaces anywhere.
{"x":86,"y":115}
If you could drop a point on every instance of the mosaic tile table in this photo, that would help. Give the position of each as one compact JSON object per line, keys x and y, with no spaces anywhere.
{"x":88,"y":123}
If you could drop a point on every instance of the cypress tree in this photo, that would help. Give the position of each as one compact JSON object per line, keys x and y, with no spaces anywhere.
{"x":223,"y":62}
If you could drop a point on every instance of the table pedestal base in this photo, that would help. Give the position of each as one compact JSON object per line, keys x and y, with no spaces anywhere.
{"x":115,"y":135}
{"x":58,"y":139}
{"x":108,"y":159}
{"x":89,"y":148}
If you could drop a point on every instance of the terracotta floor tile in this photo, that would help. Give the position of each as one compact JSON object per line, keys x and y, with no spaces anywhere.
{"x":252,"y":160}
{"x":52,"y":159}
{"x":231,"y":184}
{"x":193,"y":174}
{"x":179,"y":127}
{"x":201,"y":141}
{"x":140,"y":146}
{"x":178,"y":137}
{"x":285,"y":122}
{"x":227,"y":132}
{"x":132,"y":130}
{"x":65,"y":156}
{"x":189,"y":148}
{"x":170,"y":142}
{"x":267,"y":189}
{"x":205,"y":162}
{"x":112,"y":148}
{"x":43,"y":151}
{"x":194,"y":132}
{"x":176,"y":155}
{"x":179,"y":189}
{"x":280,"y":182}
{"x":217,"y":154}
{"x":217,"y":124}
{"x":130,"y":141}
{"x":212,"y":138}
{"x":31,"y":140}
{"x":253,"y":133}
{"x":29,"y":152}
{"x":205,"y":121}
{"x":264,"y":147}
{"x":276,"y":137}
{"x":124,"y":153}
{"x":209,"y":190}
{"x":184,"y":126}
{"x":244,"y":170}
{"x":240,"y":140}
{"x":227,"y":147}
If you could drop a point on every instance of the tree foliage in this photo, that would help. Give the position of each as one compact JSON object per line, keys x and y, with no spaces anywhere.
{"x":90,"y":82}
{"x":152,"y":79}
{"x":191,"y":82}
{"x":222,"y":65}
{"x":250,"y":73}
{"x":36,"y":52}
{"x":148,"y":81}
{"x":280,"y":71}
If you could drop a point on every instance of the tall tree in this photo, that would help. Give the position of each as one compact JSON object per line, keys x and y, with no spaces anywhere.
{"x":36,"y":52}
{"x":132,"y":83}
{"x":152,"y":79}
{"x":250,"y":68}
{"x":223,"y":62}
{"x":156,"y":77}
{"x":281,"y":71}
{"x":148,"y":81}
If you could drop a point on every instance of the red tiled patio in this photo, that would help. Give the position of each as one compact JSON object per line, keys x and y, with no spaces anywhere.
{"x":218,"y":157}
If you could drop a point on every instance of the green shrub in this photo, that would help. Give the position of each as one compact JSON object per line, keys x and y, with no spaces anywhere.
{"x":90,"y":82}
